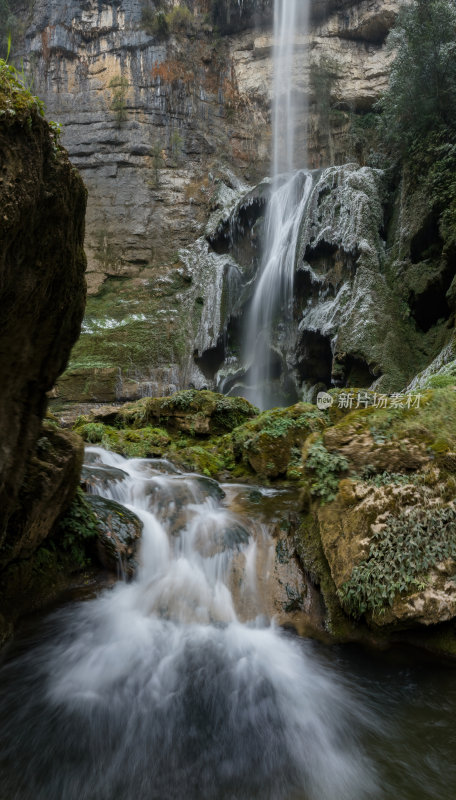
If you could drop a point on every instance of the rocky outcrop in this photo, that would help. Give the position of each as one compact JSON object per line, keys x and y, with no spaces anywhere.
{"x":42,"y":290}
{"x":371,"y":309}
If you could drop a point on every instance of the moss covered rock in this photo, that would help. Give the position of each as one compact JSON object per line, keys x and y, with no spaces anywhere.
{"x":42,"y":266}
{"x":383,"y":546}
{"x":42,"y":296}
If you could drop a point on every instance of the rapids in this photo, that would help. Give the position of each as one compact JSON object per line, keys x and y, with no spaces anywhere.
{"x":165,"y":687}
{"x":157,"y":689}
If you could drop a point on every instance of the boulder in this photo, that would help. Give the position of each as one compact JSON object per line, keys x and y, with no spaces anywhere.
{"x":119,"y":533}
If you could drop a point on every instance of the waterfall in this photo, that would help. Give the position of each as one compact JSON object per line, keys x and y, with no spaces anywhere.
{"x":272,"y":303}
{"x":178,"y":684}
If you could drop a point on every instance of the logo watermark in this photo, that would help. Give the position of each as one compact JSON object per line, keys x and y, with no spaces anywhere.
{"x":354,"y":400}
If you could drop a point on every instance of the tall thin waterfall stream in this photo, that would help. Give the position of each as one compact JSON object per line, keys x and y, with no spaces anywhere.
{"x":178,"y":685}
{"x":273,"y":292}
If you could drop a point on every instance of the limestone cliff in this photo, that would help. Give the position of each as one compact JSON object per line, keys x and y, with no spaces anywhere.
{"x":42,"y":296}
{"x":164,"y":129}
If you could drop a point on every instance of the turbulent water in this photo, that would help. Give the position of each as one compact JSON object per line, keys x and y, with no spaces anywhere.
{"x":156,"y":689}
{"x":271,"y":306}
{"x":162,"y":688}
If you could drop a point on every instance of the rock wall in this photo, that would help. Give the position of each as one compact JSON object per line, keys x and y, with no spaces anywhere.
{"x":42,"y":297}
{"x":155,"y":124}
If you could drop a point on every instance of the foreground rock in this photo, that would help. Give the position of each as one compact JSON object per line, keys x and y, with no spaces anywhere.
{"x":42,"y":295}
{"x":119,"y":531}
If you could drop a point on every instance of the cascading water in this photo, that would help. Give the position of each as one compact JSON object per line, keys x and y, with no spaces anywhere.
{"x":273,"y":294}
{"x":157,"y":689}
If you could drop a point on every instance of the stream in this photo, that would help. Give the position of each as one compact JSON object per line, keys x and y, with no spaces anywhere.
{"x":178,"y":684}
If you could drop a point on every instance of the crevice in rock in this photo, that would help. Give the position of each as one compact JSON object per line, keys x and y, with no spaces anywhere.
{"x":427,"y":242}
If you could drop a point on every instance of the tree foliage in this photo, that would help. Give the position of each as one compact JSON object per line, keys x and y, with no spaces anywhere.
{"x":421,"y":98}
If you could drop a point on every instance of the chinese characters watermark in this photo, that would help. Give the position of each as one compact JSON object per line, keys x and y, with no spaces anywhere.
{"x":354,"y":400}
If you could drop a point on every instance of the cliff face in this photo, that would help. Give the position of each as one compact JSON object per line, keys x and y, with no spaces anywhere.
{"x":42,"y":295}
{"x":166,"y":129}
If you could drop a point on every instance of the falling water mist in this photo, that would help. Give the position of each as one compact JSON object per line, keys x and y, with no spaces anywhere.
{"x":177,"y":685}
{"x":272,"y":304}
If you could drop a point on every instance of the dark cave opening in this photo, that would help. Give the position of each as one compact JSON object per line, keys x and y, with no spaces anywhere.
{"x":210,"y":361}
{"x":427,"y":242}
{"x":357,"y":373}
{"x":314,"y":358}
{"x":432,"y":305}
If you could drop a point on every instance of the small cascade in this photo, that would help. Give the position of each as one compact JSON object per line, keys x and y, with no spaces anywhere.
{"x":178,"y":684}
{"x":272,"y":304}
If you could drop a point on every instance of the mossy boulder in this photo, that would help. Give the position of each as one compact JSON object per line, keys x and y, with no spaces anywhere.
{"x":199,"y":413}
{"x":271,"y":444}
{"x":98,"y":384}
{"x":382,"y":543}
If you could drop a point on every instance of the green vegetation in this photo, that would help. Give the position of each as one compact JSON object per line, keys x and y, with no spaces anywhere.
{"x":421,"y":99}
{"x":147,"y":442}
{"x":119,"y":85}
{"x":75,"y":530}
{"x":418,"y":119}
{"x":17,"y":103}
{"x":157,"y":22}
{"x":328,"y":469}
{"x":400,"y":557}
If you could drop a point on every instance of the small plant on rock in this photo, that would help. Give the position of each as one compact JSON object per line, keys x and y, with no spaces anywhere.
{"x":327,"y":468}
{"x":401,"y":555}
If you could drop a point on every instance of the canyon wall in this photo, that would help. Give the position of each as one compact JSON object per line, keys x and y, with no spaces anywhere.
{"x":166,"y":129}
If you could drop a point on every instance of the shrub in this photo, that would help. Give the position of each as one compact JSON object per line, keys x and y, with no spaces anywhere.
{"x":421,"y":97}
{"x":179,"y":19}
{"x":119,"y":85}
{"x":160,"y":24}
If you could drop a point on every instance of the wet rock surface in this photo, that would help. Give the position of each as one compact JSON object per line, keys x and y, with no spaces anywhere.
{"x":119,"y":534}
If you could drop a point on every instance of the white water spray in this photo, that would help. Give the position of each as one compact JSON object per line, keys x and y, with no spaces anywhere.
{"x":157,"y":688}
{"x":272,"y":304}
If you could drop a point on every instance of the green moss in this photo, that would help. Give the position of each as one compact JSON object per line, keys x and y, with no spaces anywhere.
{"x":17,"y":103}
{"x":132,"y":443}
{"x":313,"y":560}
{"x":129,"y":330}
{"x":76,"y":528}
{"x":431,"y":422}
{"x":202,"y":459}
